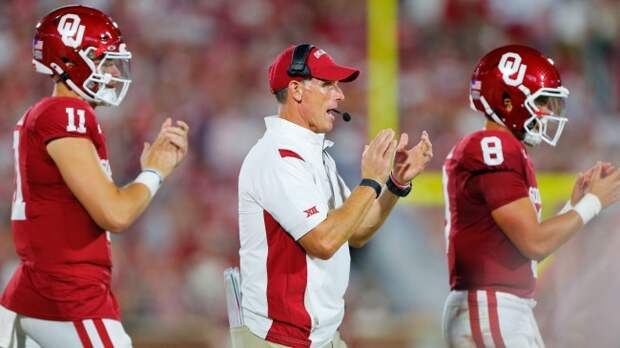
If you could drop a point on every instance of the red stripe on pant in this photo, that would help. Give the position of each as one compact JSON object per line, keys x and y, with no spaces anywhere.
{"x":103,"y":333}
{"x":494,"y":319}
{"x":81,"y":330}
{"x":474,"y":318}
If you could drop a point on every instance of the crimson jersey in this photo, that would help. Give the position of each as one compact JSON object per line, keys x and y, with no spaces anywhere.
{"x":484,"y":171}
{"x":65,"y":267}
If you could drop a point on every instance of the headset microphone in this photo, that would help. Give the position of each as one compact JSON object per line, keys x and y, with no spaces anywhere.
{"x":345,"y":115}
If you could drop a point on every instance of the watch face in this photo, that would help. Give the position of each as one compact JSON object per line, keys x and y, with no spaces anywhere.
{"x":401,"y":192}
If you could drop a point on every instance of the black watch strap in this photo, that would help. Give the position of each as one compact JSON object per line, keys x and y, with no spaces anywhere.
{"x":374,"y":184}
{"x":397,"y":189}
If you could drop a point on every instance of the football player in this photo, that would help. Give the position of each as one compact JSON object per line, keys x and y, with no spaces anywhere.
{"x":65,"y":200}
{"x":494,"y":233}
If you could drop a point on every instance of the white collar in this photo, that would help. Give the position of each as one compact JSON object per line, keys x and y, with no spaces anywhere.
{"x":291,"y":130}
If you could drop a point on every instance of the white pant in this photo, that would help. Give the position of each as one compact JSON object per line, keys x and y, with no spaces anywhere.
{"x":38,"y":333}
{"x":486,"y":318}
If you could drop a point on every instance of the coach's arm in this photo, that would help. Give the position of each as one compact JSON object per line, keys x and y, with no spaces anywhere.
{"x":408,"y":163}
{"x":325,"y":239}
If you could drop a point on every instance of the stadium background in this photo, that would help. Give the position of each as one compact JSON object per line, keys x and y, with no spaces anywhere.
{"x":206,"y":61}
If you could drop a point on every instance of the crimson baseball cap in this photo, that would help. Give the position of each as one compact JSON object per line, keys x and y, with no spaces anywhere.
{"x":320,"y":64}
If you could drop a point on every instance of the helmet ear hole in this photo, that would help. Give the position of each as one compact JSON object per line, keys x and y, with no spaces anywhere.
{"x":507,"y":102}
{"x":67,"y":62}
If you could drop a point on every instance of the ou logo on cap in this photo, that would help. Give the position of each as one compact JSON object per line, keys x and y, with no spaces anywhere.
{"x":318,"y":53}
{"x":70,"y":30}
{"x":509,"y":64}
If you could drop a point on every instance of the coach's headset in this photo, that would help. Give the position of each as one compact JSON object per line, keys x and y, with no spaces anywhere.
{"x":298,"y":66}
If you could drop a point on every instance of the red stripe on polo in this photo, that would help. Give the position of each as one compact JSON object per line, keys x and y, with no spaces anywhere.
{"x":287,"y":278}
{"x":289,"y":153}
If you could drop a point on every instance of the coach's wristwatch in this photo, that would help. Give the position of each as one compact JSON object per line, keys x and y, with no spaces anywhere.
{"x":374,"y":184}
{"x":397,"y":188}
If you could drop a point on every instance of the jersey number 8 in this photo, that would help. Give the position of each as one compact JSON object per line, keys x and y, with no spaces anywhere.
{"x":492,"y":153}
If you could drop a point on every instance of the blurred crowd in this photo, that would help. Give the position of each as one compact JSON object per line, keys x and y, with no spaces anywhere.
{"x":206,"y":62}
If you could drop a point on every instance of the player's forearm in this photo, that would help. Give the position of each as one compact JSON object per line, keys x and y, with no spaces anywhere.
{"x":371,"y":222}
{"x":533,"y":239}
{"x":554,"y":232}
{"x":123,"y":207}
{"x":325,"y":239}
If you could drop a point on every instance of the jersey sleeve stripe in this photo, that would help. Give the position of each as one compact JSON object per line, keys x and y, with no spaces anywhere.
{"x":289,"y":153}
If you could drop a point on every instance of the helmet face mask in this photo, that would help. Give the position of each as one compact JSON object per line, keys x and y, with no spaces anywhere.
{"x":530,"y":82}
{"x":111,"y":75}
{"x":85,"y":49}
{"x":548,"y":108}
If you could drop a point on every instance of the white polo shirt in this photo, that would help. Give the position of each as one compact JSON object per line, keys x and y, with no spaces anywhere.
{"x":287,"y":184}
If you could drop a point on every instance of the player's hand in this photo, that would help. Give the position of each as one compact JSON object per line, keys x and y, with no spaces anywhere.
{"x":408,"y":163}
{"x":378,"y":156}
{"x":583,"y":181}
{"x":168,"y":149}
{"x":579,"y":189}
{"x":178,"y":136}
{"x":604,"y":183}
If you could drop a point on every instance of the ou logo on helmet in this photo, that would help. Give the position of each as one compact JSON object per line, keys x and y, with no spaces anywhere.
{"x":509,"y":64}
{"x":70,"y":30}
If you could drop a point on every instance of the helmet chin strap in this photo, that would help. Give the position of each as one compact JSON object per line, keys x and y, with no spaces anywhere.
{"x":532,"y":139}
{"x":106,"y":95}
{"x":533,"y":132}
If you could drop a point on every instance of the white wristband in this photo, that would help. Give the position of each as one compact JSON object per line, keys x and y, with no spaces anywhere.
{"x":566,"y":208}
{"x":588,"y":207}
{"x":151,"y":179}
